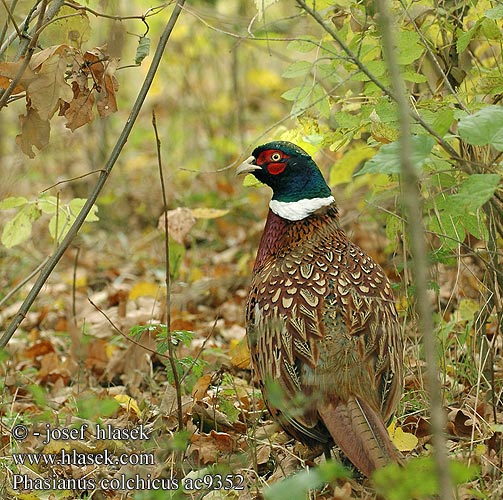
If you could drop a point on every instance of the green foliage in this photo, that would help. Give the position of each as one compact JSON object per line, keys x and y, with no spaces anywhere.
{"x":299,"y":485}
{"x":387,"y":160}
{"x":19,"y":228}
{"x":143,"y":49}
{"x":342,"y":92}
{"x":483,"y":127}
{"x":188,"y":368}
{"x":417,"y":478}
{"x":91,"y":407}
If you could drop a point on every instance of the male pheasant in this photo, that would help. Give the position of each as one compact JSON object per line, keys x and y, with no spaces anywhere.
{"x":320,"y":317}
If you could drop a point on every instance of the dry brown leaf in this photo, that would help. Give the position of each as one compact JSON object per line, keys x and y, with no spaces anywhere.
{"x":97,"y":359}
{"x":34,"y":132}
{"x":53,"y":369}
{"x":80,"y":110}
{"x":107,"y":102}
{"x":460,"y":423}
{"x":200,"y":387}
{"x":180,"y":222}
{"x":94,"y":60}
{"x":416,"y":425}
{"x":9,"y":70}
{"x":38,"y":349}
{"x":209,"y":447}
{"x":50,"y":85}
{"x":343,"y":492}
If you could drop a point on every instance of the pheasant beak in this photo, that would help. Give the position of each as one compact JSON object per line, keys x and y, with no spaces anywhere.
{"x":248,"y":166}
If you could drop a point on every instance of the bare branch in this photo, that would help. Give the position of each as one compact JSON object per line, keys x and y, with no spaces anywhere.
{"x":411,"y":200}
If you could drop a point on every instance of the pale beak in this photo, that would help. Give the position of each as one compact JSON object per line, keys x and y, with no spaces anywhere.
{"x":247,"y":167}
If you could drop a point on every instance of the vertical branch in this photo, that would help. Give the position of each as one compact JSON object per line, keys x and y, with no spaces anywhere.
{"x":171,"y":352}
{"x":411,"y":200}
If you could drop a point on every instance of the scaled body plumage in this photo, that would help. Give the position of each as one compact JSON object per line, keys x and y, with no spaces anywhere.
{"x":320,"y":318}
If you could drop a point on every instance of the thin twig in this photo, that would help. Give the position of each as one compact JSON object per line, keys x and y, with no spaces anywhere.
{"x":81,"y":217}
{"x":171,"y":352}
{"x":411,"y":199}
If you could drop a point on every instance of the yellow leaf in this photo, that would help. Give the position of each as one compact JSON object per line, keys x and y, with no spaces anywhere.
{"x":144,"y":289}
{"x":404,"y":441}
{"x":251,"y":181}
{"x":239,"y":353}
{"x":343,"y":169}
{"x":129,"y":404}
{"x":208,"y":213}
{"x":110,"y":349}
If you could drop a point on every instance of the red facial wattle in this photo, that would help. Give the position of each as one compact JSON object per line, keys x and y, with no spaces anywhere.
{"x":274,"y":161}
{"x":276,"y":168}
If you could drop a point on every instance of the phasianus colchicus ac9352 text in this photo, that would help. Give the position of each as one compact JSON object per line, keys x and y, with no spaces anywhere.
{"x":320,"y":317}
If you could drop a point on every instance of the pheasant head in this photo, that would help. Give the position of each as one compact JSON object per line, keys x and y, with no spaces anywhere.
{"x":298,"y":186}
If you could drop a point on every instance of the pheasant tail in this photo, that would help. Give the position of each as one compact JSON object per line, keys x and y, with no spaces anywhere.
{"x":360,"y":433}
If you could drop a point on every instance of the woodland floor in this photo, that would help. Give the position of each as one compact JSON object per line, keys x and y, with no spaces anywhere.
{"x":73,"y":362}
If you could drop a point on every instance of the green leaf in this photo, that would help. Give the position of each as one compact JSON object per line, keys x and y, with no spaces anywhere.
{"x":343,"y":170}
{"x":18,"y":229}
{"x":142,"y":50}
{"x":414,"y":77}
{"x":387,"y":160}
{"x":228,"y":409}
{"x":495,"y":12}
{"x":417,"y":478}
{"x":490,"y":29}
{"x":304,"y":44}
{"x":297,"y":69}
{"x":409,"y":47}
{"x":465,"y":38}
{"x":12,"y":202}
{"x":47,"y":204}
{"x":298,"y":485}
{"x":296,"y":93}
{"x":476,"y":190}
{"x":90,"y":407}
{"x":448,"y":229}
{"x":483,"y":127}
{"x":443,"y":121}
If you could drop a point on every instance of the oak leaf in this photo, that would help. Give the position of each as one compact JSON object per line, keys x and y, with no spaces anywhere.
{"x":80,"y":110}
{"x":34,"y":132}
{"x":51,"y":86}
{"x":9,"y":70}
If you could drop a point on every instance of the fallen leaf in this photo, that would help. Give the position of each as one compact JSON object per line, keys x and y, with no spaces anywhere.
{"x":200,"y":387}
{"x":38,"y":349}
{"x":128,"y":403}
{"x":208,"y":213}
{"x":210,"y":447}
{"x":239,"y":353}
{"x":144,"y":289}
{"x":180,"y":222}
{"x":404,"y":441}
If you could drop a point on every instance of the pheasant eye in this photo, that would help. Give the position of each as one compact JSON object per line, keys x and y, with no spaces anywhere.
{"x":275,"y":157}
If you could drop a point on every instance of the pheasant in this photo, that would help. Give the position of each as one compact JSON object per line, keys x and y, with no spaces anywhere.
{"x":322,"y":327}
